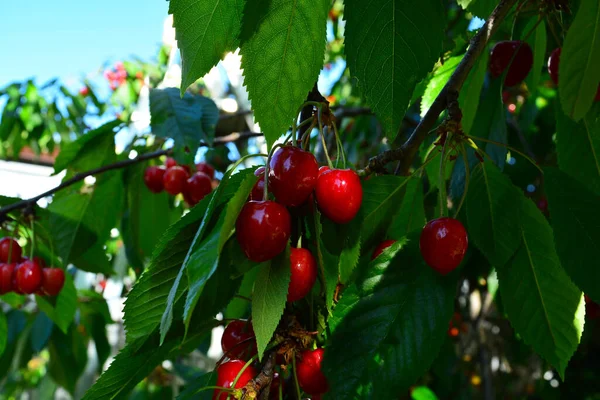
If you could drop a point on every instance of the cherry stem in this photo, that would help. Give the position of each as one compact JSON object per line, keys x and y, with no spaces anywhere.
{"x":221,"y":388}
{"x":31,"y":222}
{"x":239,"y":374}
{"x":463,"y":152}
{"x":442,"y":179}
{"x":339,"y":146}
{"x":269,"y":156}
{"x":306,"y":137}
{"x":322,"y":134}
{"x":52,"y":253}
{"x":239,"y":296}
{"x":296,"y":378}
{"x":509,"y":148}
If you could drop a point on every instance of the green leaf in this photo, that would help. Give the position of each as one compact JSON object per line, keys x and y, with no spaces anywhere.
{"x":187,"y":119}
{"x":440,"y":77}
{"x":234,"y":206}
{"x":92,"y":150}
{"x":205,"y":31}
{"x":329,"y":264}
{"x":282,"y":58}
{"x":270,"y":295}
{"x":41,"y":331}
{"x":543,"y":305}
{"x":579,"y":59}
{"x":82,"y":217}
{"x":493,"y":213}
{"x":537,"y":41}
{"x":411,"y":215}
{"x":68,"y":358}
{"x":575,"y":219}
{"x":398,"y":312}
{"x":193,"y":390}
{"x":578,"y":148}
{"x":61,"y":309}
{"x":471,"y":91}
{"x":423,"y":393}
{"x":480,"y":8}
{"x":3,"y":332}
{"x":391,"y":46}
{"x":381,"y":196}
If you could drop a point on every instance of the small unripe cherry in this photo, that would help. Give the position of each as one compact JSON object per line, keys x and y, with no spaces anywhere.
{"x":381,"y":247}
{"x":303,"y":274}
{"x":174,"y":180}
{"x":153,"y":178}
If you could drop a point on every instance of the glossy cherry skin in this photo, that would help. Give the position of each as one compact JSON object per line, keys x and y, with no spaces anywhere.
{"x":153,"y":178}
{"x":323,"y":169}
{"x":170,"y":162}
{"x":235,"y":333}
{"x":259,"y":187}
{"x":226,"y":374}
{"x":443,"y":244}
{"x":28,"y":277}
{"x":175,"y":179}
{"x":53,"y":280}
{"x":381,"y":247}
{"x":206,"y":168}
{"x":197,"y":187}
{"x":263,"y":229}
{"x":5,"y":250}
{"x":310,"y":376}
{"x":553,"y":62}
{"x":6,"y":277}
{"x":501,"y":56}
{"x":339,"y":194}
{"x":292,"y":175}
{"x":304,"y":274}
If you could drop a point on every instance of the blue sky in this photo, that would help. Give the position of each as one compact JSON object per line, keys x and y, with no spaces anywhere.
{"x":69,"y":38}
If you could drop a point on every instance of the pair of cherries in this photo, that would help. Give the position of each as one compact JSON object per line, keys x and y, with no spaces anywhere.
{"x":24,"y":276}
{"x":443,"y":244}
{"x":176,"y":179}
{"x":263,"y":227}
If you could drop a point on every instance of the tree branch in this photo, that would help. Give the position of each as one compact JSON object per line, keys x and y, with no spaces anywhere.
{"x":233,"y":137}
{"x":406,"y":153}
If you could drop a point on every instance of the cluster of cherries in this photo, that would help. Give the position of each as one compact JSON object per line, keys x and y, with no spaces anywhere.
{"x":238,"y":343}
{"x":116,"y":76}
{"x":24,"y":276}
{"x":176,"y":179}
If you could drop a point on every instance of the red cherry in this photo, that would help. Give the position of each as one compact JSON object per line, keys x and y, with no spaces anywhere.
{"x":292,"y":175}
{"x":259,"y":186}
{"x":304,"y":274}
{"x":28,"y":277}
{"x":235,"y":333}
{"x":310,"y":376}
{"x":382,"y":246}
{"x":263,"y":229}
{"x":553,"y":62}
{"x":542,"y":204}
{"x":226,"y":374}
{"x":6,"y":277}
{"x":170,"y":162}
{"x":592,"y":309}
{"x":275,"y":384}
{"x":206,"y":168}
{"x":339,"y":194}
{"x":10,"y":247}
{"x":53,"y":280}
{"x":39,"y":261}
{"x":501,"y":56}
{"x":323,"y":169}
{"x":15,"y":287}
{"x":153,"y":178}
{"x":84,"y":91}
{"x":174,"y":180}
{"x":444,"y":243}
{"x":197,"y":187}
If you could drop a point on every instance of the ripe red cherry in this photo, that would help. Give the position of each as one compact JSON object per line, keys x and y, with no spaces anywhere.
{"x":174,"y":180}
{"x":6,"y":277}
{"x":53,"y":280}
{"x":153,"y":178}
{"x":444,"y":243}
{"x":235,"y":333}
{"x":310,"y":376}
{"x":292,"y":175}
{"x":339,"y":194}
{"x":304,"y":274}
{"x":226,"y":374}
{"x":206,"y":168}
{"x":28,"y":277}
{"x":39,"y":261}
{"x":501,"y":56}
{"x":170,"y":162}
{"x":10,"y":247}
{"x":553,"y":62}
{"x":382,"y":246}
{"x":197,"y":187}
{"x":323,"y":169}
{"x":263,"y":229}
{"x":259,"y":186}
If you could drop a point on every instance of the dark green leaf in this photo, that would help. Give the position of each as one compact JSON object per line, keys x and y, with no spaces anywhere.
{"x":282,"y":58}
{"x":61,"y":309}
{"x":542,"y":304}
{"x":328,"y":263}
{"x":270,"y":295}
{"x":398,"y":313}
{"x":68,"y":358}
{"x":411,"y":215}
{"x":3,"y":332}
{"x":579,"y":60}
{"x":575,"y":219}
{"x":193,"y":390}
{"x":493,"y":213}
{"x":471,"y":91}
{"x":578,"y":148}
{"x":537,"y":40}
{"x":41,"y":331}
{"x":205,"y":31}
{"x":391,"y":46}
